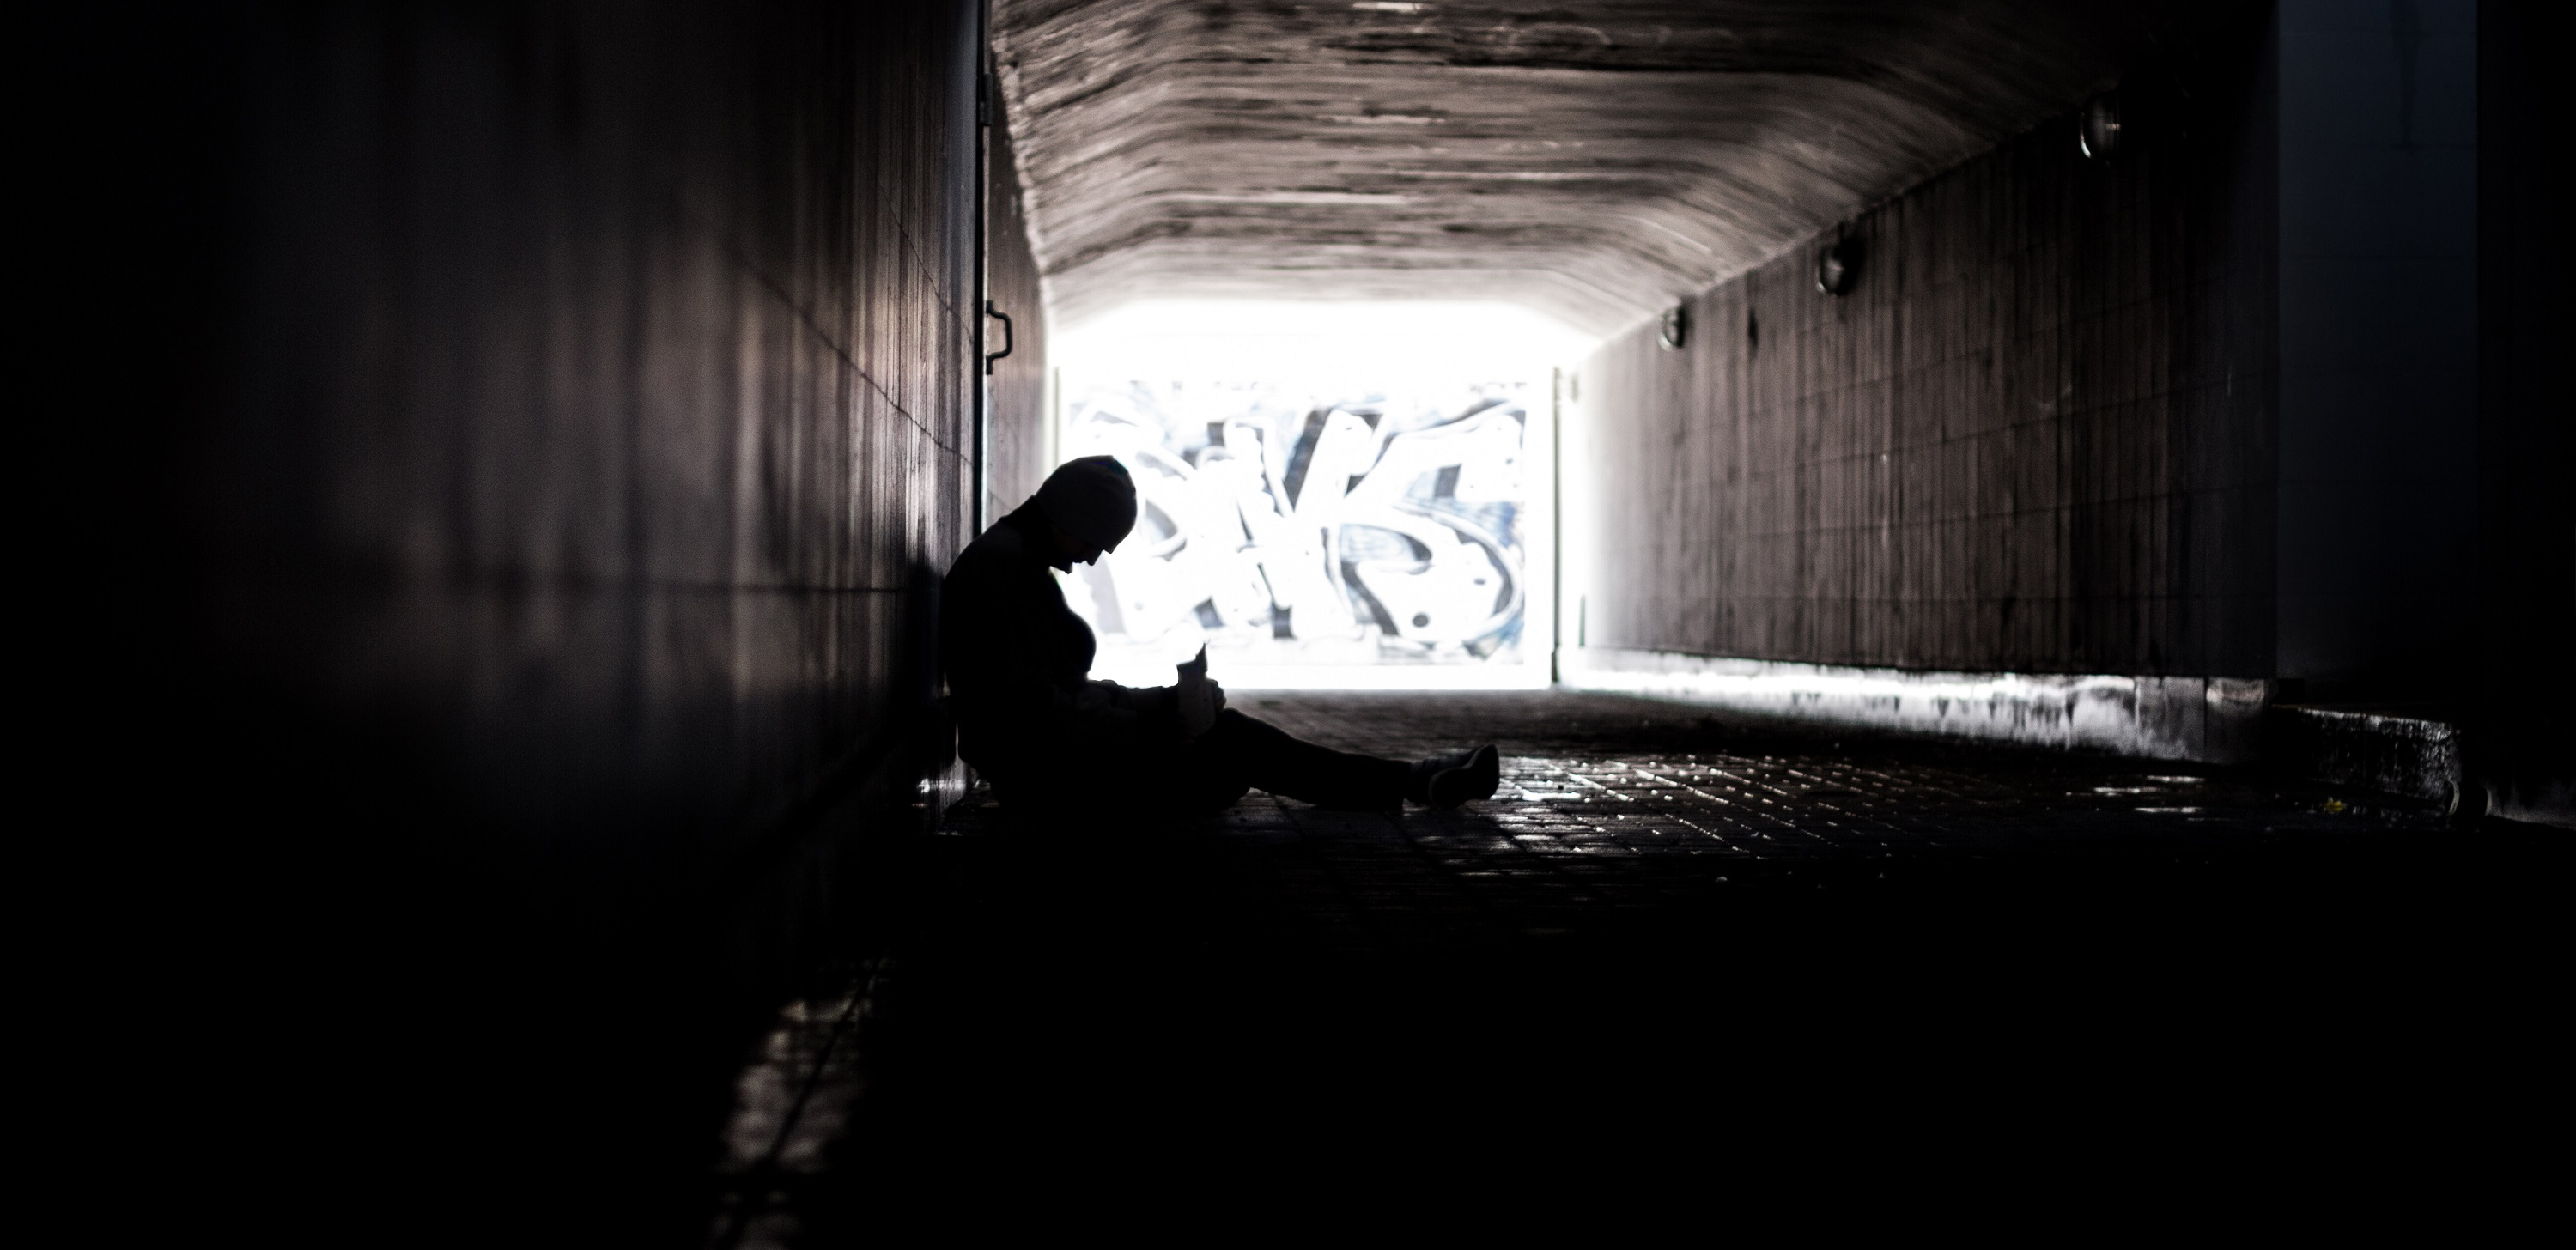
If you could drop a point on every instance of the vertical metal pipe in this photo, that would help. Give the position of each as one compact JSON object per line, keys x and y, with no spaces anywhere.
{"x":1556,"y":524}
{"x":982,"y":379}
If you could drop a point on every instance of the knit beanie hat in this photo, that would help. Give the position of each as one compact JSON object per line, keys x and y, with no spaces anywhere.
{"x":1092,"y":499}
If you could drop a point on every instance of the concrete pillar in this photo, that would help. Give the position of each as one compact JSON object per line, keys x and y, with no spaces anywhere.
{"x":2378,"y":345}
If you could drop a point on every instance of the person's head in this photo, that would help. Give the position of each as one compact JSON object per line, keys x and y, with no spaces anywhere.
{"x":1091,"y":503}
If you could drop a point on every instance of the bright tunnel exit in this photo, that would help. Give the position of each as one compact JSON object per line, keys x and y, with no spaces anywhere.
{"x":1333,"y":495}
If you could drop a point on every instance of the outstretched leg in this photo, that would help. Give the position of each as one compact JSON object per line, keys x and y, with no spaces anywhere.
{"x":1241,"y":752}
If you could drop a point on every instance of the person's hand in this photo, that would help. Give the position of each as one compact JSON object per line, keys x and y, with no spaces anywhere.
{"x":1198,"y":700}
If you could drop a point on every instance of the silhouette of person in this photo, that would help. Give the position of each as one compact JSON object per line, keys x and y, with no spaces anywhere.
{"x":1044,"y":735}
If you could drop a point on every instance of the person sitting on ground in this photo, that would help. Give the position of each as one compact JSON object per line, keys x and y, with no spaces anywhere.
{"x":1043,"y":734}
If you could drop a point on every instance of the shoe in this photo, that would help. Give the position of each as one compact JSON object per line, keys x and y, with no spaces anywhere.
{"x":1449,"y":780}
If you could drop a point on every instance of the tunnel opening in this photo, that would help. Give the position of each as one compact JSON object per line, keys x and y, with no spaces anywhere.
{"x":1336,"y":495}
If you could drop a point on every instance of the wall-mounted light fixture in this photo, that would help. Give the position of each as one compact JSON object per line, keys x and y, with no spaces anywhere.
{"x":1837,"y":266}
{"x":2099,"y":135}
{"x":1675,"y":329}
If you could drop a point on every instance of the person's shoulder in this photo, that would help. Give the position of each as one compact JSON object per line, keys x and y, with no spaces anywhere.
{"x":1002,"y":537}
{"x":998,"y":552}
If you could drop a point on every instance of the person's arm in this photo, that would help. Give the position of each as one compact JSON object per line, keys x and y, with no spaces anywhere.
{"x":1148,"y":710}
{"x":1159,"y":711}
{"x":1004,"y":653}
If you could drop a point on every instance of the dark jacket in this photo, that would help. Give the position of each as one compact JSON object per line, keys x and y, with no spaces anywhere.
{"x":1018,"y":661}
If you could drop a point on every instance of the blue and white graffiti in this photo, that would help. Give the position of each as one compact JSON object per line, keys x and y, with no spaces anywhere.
{"x":1382,"y":528}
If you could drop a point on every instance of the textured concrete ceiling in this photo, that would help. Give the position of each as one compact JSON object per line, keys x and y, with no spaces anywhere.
{"x":1592,"y":158}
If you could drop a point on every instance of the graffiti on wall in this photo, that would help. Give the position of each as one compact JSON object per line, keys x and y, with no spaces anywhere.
{"x":1376,"y":528}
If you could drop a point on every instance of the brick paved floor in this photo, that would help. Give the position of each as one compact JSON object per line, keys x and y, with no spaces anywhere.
{"x":1665,"y":919}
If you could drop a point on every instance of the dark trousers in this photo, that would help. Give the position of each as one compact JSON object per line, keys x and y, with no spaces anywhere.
{"x":1205,"y":775}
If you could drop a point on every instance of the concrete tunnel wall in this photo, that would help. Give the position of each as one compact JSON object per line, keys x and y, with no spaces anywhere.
{"x":2206,"y":410}
{"x":573,"y":417}
{"x":1018,"y":391}
{"x":2523,"y":589}
{"x":2035,"y":434}
{"x":604,"y":406}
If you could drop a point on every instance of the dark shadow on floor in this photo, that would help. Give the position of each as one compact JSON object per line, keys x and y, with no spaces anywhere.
{"x":1742,"y":941}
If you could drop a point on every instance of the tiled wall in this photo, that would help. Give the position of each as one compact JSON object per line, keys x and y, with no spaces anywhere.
{"x":604,"y":381}
{"x":579,"y":416}
{"x":2034,"y":435}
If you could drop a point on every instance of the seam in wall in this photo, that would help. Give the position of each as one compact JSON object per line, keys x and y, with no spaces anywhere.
{"x":805,"y":317}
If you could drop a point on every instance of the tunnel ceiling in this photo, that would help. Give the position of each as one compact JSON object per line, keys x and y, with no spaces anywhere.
{"x":1594,"y":159}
